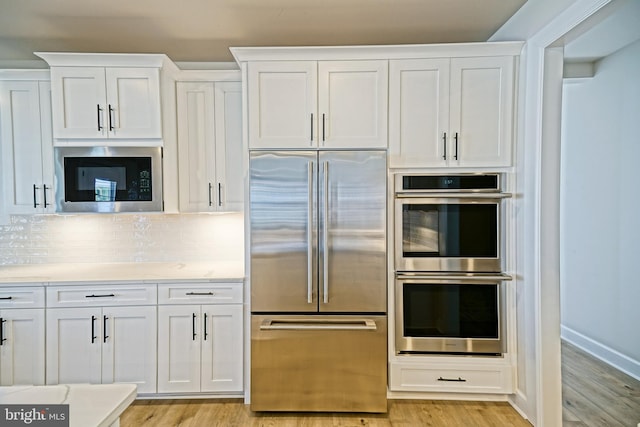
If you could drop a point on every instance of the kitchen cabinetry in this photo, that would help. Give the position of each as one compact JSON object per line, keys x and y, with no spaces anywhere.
{"x":102,"y":334}
{"x":26,"y":148}
{"x":451,"y":112}
{"x":22,"y":339}
{"x":438,"y":375}
{"x":200,"y":338}
{"x":210,"y":146}
{"x":97,"y":102}
{"x":106,"y":98}
{"x":317,"y":104}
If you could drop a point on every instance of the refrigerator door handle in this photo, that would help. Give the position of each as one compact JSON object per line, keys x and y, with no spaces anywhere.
{"x":310,"y":234}
{"x":318,"y":325}
{"x":325,"y":236}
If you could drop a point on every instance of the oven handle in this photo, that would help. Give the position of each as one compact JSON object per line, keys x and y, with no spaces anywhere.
{"x":461,"y":277}
{"x":454,"y":195}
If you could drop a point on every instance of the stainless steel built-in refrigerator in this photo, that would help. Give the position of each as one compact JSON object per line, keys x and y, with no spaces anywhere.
{"x":318,"y":281}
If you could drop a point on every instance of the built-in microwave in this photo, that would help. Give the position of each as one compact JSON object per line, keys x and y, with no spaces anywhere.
{"x":108,"y":179}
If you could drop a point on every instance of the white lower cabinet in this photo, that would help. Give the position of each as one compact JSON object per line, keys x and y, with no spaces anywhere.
{"x":22,"y":350}
{"x":102,"y":344}
{"x":490,"y":378}
{"x":22,"y":346}
{"x":200,"y":345}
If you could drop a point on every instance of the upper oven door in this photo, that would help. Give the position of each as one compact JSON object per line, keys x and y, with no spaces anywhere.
{"x":448,"y":233}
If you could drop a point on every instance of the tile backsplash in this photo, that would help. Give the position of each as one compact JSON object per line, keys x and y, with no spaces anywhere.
{"x":106,"y":238}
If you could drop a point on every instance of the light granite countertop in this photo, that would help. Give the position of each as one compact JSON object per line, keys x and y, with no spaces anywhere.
{"x":90,"y":405}
{"x":134,"y":272}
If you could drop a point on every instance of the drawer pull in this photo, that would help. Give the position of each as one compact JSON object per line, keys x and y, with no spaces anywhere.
{"x":200,"y":293}
{"x":6,"y":298}
{"x":100,"y":296}
{"x":455,"y":380}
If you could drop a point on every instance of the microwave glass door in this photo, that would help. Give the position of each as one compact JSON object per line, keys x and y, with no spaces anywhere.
{"x":107,"y":179}
{"x":450,"y":311}
{"x":450,"y":230}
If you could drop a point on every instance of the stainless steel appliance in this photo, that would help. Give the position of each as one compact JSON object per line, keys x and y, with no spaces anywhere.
{"x":449,"y":290}
{"x":448,"y":223}
{"x":440,"y":313}
{"x":108,"y":179}
{"x":318,"y":281}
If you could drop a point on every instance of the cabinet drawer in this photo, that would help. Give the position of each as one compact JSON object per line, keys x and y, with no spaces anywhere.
{"x":22,"y":297}
{"x":200,"y":293}
{"x":102,"y":295}
{"x":450,"y":379}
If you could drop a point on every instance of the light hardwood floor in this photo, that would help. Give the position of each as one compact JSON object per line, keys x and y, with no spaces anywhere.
{"x":594,"y":395}
{"x":402,"y":413}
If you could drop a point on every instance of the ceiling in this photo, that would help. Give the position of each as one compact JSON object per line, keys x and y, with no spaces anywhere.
{"x":203,"y":30}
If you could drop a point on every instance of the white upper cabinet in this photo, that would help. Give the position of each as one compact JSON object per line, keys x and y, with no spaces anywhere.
{"x":26,"y":148}
{"x":282,"y":104}
{"x":106,"y":99}
{"x":451,"y":112}
{"x":96,"y":102}
{"x":210,"y":146}
{"x":482,"y":110}
{"x":352,"y":104}
{"x":418,"y":112}
{"x":317,"y":104}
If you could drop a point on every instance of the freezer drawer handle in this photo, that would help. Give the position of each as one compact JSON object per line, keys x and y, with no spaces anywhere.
{"x":456,"y":380}
{"x":319,"y":325}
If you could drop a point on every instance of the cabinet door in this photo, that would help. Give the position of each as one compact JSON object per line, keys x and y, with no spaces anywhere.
{"x":222,"y":358}
{"x":352,"y":104}
{"x":129,"y":346}
{"x":78,"y":97}
{"x":196,"y":146}
{"x":25,"y":146}
{"x":229,"y":153}
{"x":282,"y":104}
{"x":133,"y":103}
{"x":419,"y":113}
{"x":179,"y":348}
{"x":74,"y":340}
{"x":22,"y":351}
{"x":482,"y":110}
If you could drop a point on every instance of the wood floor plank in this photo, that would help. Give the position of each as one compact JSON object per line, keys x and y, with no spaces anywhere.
{"x":590,"y":386}
{"x":402,"y":413}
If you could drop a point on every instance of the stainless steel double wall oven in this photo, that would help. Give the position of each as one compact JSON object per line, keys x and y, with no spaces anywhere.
{"x":449,"y":291}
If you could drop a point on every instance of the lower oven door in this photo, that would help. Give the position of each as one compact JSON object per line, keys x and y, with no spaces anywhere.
{"x":445,"y":314}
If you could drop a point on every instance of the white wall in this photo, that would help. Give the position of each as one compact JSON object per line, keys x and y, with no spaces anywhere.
{"x":600,"y":211}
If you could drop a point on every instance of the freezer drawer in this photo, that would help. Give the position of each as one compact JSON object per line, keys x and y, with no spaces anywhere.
{"x":319,"y":363}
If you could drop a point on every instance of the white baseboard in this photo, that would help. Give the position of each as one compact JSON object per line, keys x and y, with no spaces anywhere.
{"x":608,"y":355}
